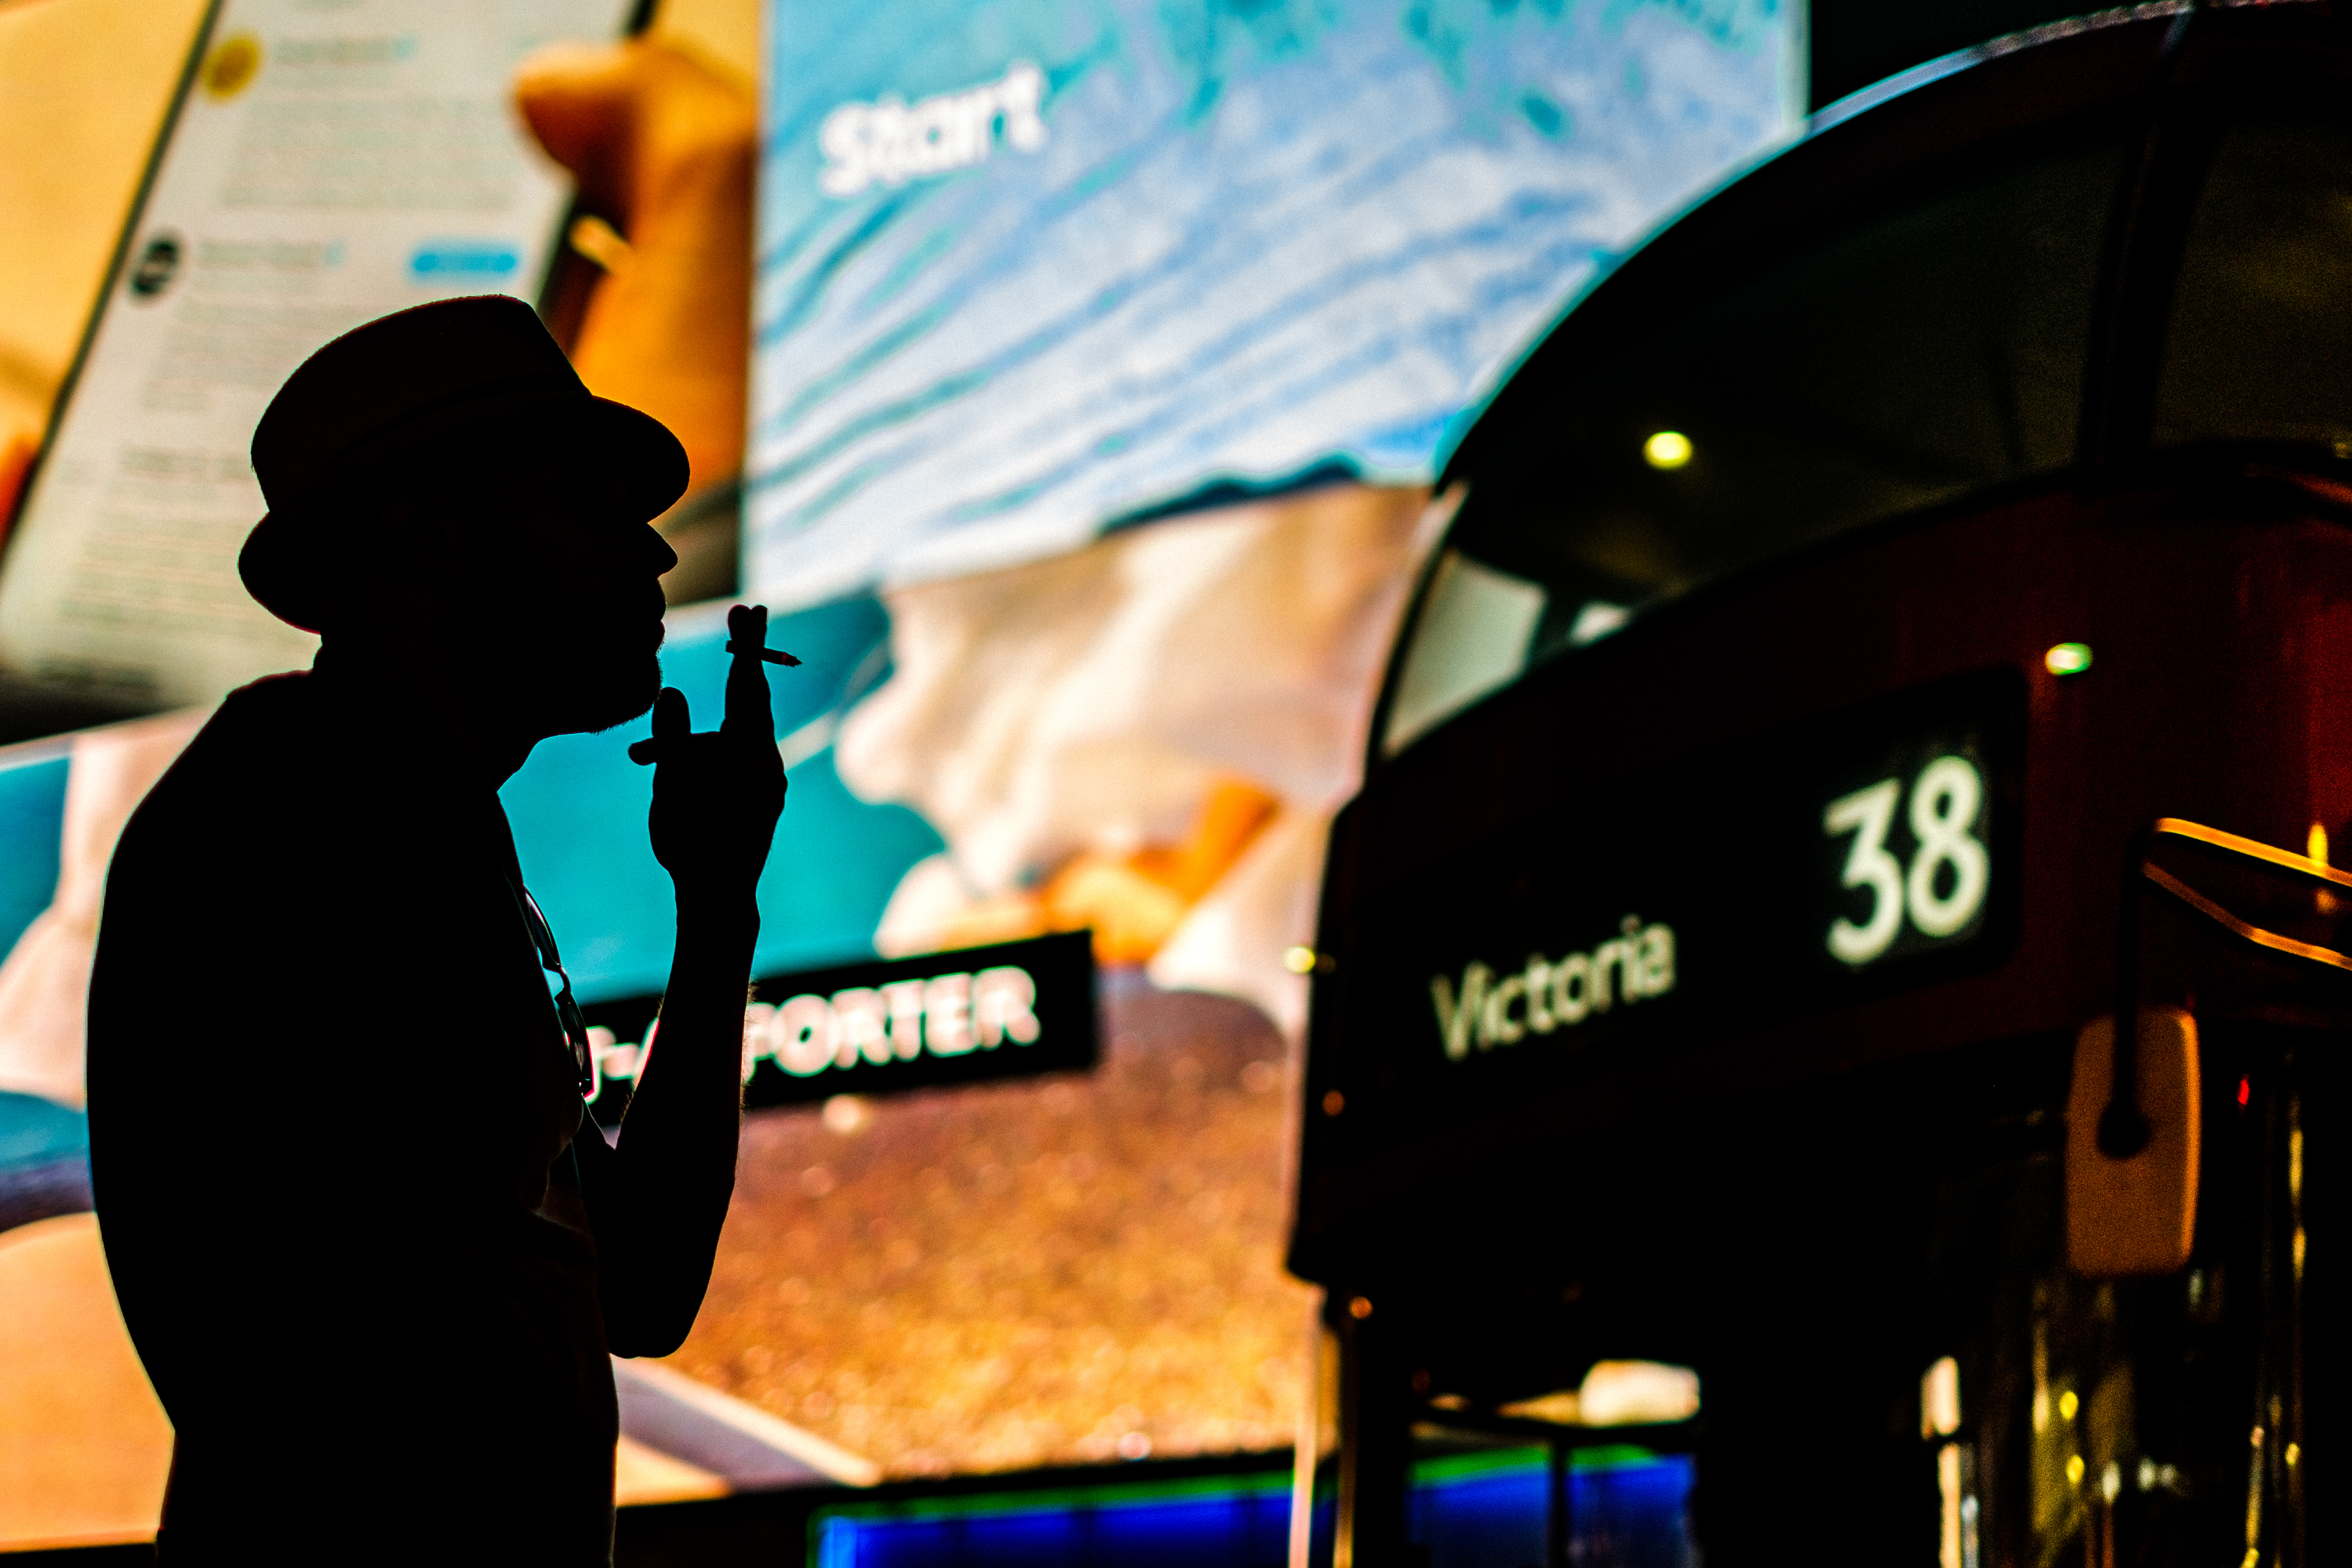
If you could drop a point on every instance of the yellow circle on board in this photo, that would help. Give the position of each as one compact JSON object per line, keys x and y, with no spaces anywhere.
{"x":1666,"y":449}
{"x":231,"y":67}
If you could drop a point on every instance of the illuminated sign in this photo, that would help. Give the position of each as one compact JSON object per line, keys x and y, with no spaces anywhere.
{"x":1007,"y":1011}
{"x":888,"y":143}
{"x":1944,"y":885}
{"x":1935,"y":897}
{"x":1870,"y":849}
{"x":1548,"y":995}
{"x":899,"y":1021}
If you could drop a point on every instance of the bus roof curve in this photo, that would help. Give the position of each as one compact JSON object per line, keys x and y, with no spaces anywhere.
{"x":1986,"y":93}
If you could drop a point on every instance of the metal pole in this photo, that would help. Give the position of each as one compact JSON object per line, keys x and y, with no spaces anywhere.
{"x":1375,"y":1442}
{"x":1305,"y":1440}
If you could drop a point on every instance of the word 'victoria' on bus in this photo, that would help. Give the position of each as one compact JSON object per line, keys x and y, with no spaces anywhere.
{"x":1549,"y":994}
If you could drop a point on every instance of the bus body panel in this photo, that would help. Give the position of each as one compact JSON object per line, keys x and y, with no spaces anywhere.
{"x":2221,"y":690}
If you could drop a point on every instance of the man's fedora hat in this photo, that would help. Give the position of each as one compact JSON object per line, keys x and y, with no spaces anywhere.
{"x":405,"y":384}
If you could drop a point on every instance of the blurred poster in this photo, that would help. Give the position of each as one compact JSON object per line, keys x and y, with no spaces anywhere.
{"x":326,"y":165}
{"x":1028,"y":268}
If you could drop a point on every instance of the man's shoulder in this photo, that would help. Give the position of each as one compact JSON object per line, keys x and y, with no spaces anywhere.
{"x":275,"y":705}
{"x":293,"y":758}
{"x":256,"y":733}
{"x":207,"y":858}
{"x":269,"y":755}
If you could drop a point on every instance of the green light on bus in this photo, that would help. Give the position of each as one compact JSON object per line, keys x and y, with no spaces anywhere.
{"x":2068,"y":658}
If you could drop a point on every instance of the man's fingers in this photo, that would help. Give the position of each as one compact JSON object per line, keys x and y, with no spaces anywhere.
{"x":749,"y":715}
{"x":672,"y":723}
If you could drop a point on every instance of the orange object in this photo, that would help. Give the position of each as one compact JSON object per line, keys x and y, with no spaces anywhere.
{"x":664,"y":147}
{"x":15,"y":466}
{"x":2136,"y":1216}
{"x":1229,"y":819}
{"x":1133,"y":904}
{"x":84,"y":1444}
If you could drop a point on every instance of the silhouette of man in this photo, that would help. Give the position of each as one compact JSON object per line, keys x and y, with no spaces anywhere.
{"x":371,"y":1250}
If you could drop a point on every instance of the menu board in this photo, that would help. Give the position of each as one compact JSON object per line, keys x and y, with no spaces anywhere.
{"x":326,"y":164}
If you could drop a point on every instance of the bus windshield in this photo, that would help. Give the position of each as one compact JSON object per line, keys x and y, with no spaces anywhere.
{"x":1933,"y":348}
{"x":2258,"y":346}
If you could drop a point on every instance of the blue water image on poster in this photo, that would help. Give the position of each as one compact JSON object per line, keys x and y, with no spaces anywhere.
{"x":1028,"y":268}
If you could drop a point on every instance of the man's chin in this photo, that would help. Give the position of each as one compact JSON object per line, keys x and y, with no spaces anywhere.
{"x":617,"y":702}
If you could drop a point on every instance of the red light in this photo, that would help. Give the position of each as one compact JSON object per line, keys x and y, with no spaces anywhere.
{"x":2245,"y":1090}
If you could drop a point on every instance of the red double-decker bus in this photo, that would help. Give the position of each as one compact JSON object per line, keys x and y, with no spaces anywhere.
{"x":1898,"y":619}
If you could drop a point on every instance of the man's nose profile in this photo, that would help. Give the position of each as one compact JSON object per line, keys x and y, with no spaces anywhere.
{"x":469,"y":531}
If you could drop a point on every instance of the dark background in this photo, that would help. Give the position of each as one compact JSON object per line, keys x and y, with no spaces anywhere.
{"x":1853,"y":43}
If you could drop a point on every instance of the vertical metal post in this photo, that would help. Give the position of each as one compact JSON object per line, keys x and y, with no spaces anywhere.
{"x":1307,"y":1439}
{"x":1375,"y":1441}
{"x":1559,"y":1519}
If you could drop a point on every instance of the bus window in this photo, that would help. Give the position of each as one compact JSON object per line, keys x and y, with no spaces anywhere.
{"x":1472,"y":637}
{"x":1931,"y":350}
{"x":2259,"y":347}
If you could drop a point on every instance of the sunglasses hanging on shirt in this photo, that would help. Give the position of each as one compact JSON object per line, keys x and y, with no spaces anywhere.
{"x":567,"y":1007}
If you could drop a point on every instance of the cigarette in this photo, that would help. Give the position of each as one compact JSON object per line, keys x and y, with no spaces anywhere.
{"x":773,"y":655}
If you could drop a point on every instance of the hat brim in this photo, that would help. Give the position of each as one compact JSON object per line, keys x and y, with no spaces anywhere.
{"x":285,"y":567}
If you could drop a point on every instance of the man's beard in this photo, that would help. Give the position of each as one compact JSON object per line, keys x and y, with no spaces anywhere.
{"x":605,"y":694}
{"x":581,"y":673}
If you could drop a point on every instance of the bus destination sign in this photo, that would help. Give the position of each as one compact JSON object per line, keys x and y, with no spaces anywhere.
{"x":1780,"y":876}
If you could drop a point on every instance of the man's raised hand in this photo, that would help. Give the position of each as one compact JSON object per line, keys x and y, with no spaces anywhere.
{"x":716,"y":795}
